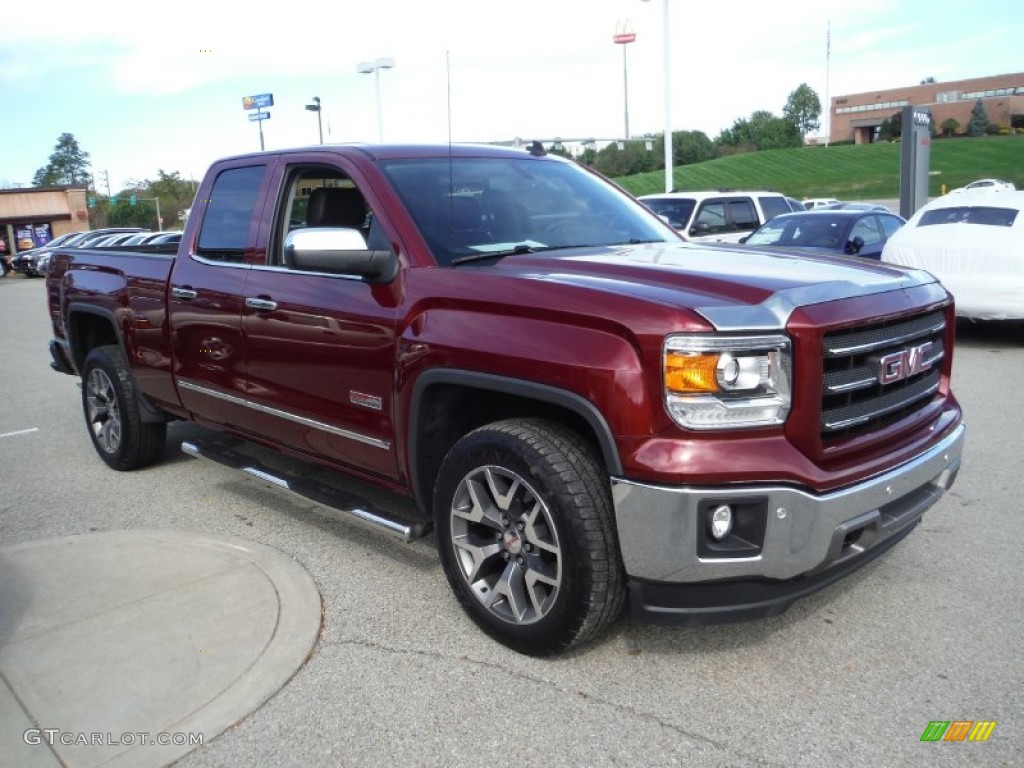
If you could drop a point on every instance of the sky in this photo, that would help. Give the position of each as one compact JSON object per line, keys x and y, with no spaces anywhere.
{"x":146,"y":87}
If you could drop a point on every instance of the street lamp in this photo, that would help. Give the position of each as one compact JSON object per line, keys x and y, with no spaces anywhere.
{"x":374,"y":68}
{"x":667,"y":77}
{"x":315,"y":107}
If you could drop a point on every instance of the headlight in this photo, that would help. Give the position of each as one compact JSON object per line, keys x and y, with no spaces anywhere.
{"x":727,"y":382}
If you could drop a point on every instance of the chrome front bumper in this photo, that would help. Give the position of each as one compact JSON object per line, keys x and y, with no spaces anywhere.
{"x":805,"y":533}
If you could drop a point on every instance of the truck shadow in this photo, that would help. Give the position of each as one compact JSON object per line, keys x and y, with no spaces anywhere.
{"x":418,"y":554}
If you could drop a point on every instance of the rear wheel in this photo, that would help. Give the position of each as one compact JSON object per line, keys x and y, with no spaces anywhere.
{"x":526,"y":535}
{"x":111,"y":405}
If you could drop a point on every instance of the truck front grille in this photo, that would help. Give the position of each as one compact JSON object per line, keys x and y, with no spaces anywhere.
{"x":875,"y":375}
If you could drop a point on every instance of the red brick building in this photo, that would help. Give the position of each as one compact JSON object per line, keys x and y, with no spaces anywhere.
{"x":858,"y":116}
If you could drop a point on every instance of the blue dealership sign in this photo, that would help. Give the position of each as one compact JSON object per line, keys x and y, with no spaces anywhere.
{"x":259,"y":101}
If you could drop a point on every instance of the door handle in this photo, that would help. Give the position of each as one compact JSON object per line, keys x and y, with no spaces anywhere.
{"x":263,"y":305}
{"x":186,"y":294}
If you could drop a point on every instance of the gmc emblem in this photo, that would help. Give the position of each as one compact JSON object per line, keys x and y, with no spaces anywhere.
{"x":903,"y":364}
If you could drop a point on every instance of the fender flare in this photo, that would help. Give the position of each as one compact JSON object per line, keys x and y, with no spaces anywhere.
{"x":149,"y":413}
{"x":530,"y":390}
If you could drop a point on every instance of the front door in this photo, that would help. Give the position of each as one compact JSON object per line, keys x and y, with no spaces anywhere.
{"x":320,"y":348}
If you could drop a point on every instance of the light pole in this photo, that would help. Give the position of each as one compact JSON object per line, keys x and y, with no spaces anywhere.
{"x":374,"y":68}
{"x":315,"y":107}
{"x":667,"y":77}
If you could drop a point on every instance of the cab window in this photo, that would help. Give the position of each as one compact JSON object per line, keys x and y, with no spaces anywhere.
{"x":229,"y":213}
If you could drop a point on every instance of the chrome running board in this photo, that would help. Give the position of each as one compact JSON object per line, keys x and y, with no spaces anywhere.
{"x":319,"y":493}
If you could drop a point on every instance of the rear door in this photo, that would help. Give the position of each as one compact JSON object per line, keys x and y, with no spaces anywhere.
{"x":205,"y":295}
{"x":724,"y":219}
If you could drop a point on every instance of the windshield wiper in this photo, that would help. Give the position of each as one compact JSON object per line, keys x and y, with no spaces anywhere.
{"x":515,"y":251}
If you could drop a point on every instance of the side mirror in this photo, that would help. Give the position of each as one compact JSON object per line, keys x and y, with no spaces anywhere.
{"x":340,"y":251}
{"x":700,"y":228}
{"x":853,"y":246}
{"x":744,"y":239}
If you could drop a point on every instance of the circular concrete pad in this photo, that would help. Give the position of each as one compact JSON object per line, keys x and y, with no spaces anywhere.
{"x":120,"y":641}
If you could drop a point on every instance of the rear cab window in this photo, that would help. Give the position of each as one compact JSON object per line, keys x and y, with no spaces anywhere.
{"x":229,"y":217}
{"x":970,"y":214}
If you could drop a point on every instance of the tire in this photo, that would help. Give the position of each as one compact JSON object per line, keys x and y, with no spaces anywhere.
{"x":111,"y":406}
{"x":526,"y":534}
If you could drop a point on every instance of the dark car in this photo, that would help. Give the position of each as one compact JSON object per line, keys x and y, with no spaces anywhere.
{"x":853,"y":207}
{"x":26,"y":261}
{"x":33,"y":263}
{"x":848,"y":232}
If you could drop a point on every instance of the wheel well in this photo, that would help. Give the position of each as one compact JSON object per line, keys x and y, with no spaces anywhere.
{"x":450,"y":411}
{"x":88,"y":331}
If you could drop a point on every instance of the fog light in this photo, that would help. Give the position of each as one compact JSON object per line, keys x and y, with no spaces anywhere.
{"x":721,"y":522}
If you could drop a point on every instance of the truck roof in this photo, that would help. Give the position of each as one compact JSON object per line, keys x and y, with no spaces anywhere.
{"x":391,"y":151}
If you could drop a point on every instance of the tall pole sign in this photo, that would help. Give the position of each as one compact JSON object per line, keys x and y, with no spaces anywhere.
{"x":915,"y":159}
{"x":623,"y":36}
{"x":259,"y":102}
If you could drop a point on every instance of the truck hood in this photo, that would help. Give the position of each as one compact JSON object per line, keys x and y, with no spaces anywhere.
{"x":732,"y":287}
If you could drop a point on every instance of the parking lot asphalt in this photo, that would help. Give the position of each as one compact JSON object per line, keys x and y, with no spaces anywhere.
{"x":94,"y":621}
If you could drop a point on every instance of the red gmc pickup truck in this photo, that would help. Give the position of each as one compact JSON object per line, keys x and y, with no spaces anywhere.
{"x":582,"y":407}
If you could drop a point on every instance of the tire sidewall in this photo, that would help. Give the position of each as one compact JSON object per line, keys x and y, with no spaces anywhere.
{"x":102,"y":359}
{"x":556,"y":630}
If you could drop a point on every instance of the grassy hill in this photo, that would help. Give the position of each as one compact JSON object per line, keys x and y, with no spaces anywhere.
{"x":849,"y":172}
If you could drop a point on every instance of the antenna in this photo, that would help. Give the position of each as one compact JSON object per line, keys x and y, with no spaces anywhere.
{"x":451,"y":170}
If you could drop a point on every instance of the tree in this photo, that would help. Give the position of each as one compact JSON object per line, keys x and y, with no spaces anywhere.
{"x":978,"y":123}
{"x":762,"y":130}
{"x":690,"y":147}
{"x":929,"y":80}
{"x":950,"y":126}
{"x":891,"y":128}
{"x":803,"y":108}
{"x":69,"y":164}
{"x":632,"y":158}
{"x":175,"y":193}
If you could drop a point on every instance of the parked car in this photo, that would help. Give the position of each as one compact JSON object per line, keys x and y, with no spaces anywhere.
{"x":138,"y":238}
{"x":794,"y":204}
{"x":847,"y":232}
{"x":91,"y":239}
{"x":853,"y":207}
{"x":163,"y":238}
{"x":33,"y":263}
{"x":974,"y":243}
{"x":112,"y":240}
{"x":817,"y":202}
{"x":722,"y":217}
{"x":995,"y":185}
{"x":26,"y":261}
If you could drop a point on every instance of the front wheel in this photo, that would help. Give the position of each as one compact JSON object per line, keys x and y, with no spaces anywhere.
{"x":111,"y":405}
{"x":526,"y":535}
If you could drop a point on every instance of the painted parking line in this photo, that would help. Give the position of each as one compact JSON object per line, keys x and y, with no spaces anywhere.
{"x":19,"y":432}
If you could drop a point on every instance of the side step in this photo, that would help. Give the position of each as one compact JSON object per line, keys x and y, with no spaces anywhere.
{"x":310,"y":490}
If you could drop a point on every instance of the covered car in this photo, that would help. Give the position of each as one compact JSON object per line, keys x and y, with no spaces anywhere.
{"x":973,"y":242}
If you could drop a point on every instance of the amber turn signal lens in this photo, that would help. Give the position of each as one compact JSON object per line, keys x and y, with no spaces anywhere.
{"x":690,"y":373}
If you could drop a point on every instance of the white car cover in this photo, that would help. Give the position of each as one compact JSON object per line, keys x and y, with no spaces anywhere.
{"x":973,"y":242}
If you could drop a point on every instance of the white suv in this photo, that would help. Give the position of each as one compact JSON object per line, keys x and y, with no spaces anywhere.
{"x":719,"y":217}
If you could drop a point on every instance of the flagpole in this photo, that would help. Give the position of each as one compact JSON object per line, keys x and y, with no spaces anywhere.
{"x":828,"y":99}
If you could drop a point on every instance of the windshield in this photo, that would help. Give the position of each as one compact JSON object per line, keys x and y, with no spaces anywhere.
{"x":812,"y":230}
{"x":466,"y":207}
{"x":676,"y":209}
